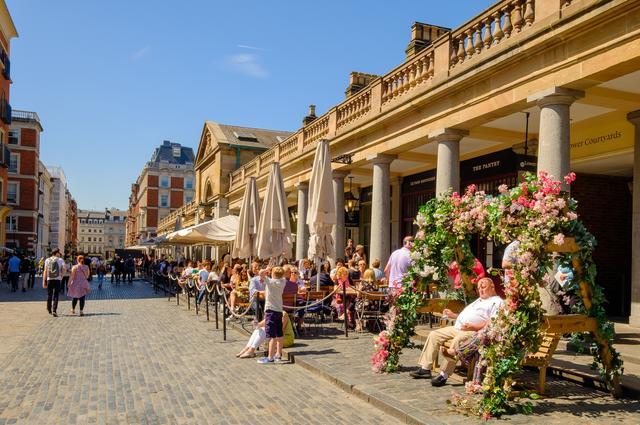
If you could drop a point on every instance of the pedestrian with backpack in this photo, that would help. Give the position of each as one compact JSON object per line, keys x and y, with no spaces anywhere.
{"x":54,"y":269}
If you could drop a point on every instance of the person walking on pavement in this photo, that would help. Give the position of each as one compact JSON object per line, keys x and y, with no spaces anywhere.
{"x":24,"y":273}
{"x":14,"y":272}
{"x":54,"y":268}
{"x":79,"y":287}
{"x":32,"y":272}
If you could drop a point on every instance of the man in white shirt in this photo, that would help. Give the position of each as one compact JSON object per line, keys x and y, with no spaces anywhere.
{"x":474,"y":317}
{"x":399,"y":263}
{"x":54,"y":269}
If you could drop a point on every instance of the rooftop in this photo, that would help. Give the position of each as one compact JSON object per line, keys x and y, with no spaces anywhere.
{"x":26,"y":116}
{"x":249,"y":136}
{"x":173,"y":153}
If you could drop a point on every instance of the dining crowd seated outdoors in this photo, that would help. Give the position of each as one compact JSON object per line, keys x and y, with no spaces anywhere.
{"x":350,"y":288}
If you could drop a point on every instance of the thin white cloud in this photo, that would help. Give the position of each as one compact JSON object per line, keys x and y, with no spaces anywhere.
{"x":140,"y":53}
{"x":247,"y":64}
{"x":245,"y":46}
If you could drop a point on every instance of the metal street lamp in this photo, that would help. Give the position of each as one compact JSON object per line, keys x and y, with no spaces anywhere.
{"x":350,"y":201}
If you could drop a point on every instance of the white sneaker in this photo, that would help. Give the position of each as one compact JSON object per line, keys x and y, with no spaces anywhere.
{"x":277,"y":359}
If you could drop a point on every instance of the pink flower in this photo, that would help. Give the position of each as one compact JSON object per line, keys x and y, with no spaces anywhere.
{"x":570,"y":178}
{"x":503,"y":188}
{"x":558,"y":239}
{"x":486,"y":416}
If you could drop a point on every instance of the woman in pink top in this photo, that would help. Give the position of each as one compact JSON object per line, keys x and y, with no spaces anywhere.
{"x":78,"y":286}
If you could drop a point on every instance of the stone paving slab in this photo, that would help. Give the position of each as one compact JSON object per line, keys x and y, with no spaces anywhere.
{"x":345,"y":363}
{"x":137,"y":359}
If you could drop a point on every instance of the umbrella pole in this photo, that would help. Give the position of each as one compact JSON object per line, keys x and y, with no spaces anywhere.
{"x":317,"y":274}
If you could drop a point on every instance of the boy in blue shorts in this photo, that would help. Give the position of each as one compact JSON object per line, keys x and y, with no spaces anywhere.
{"x":273,"y":316}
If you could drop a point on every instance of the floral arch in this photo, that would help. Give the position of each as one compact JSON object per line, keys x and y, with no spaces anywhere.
{"x":544,"y":220}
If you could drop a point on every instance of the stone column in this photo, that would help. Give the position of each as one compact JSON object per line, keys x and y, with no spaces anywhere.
{"x":634,"y":318}
{"x":553,"y":137}
{"x":302,"y":230}
{"x":448,"y":168}
{"x":396,"y":213}
{"x":381,"y":208}
{"x":338,"y":196}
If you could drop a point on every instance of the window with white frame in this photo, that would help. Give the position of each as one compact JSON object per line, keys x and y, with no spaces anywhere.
{"x":188,"y":199}
{"x":164,"y":200}
{"x":14,"y":137}
{"x":12,"y":193}
{"x":14,"y":160}
{"x":188,"y":183}
{"x":164,"y":181}
{"x":12,"y":224}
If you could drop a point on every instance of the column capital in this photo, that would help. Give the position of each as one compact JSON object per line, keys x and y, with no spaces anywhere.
{"x":556,"y":96}
{"x":380,"y":158}
{"x":448,"y":134}
{"x":339,"y":174}
{"x":395,"y":180}
{"x":634,"y":117}
{"x":301,"y":185}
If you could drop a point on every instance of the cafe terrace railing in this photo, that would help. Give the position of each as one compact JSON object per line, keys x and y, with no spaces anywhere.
{"x":480,"y":38}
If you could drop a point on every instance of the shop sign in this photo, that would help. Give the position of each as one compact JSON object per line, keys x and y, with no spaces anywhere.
{"x":607,"y":136}
{"x":420,"y":182}
{"x":497,"y":163}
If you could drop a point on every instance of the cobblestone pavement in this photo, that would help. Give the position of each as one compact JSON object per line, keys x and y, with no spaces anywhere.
{"x":137,"y":359}
{"x":346,"y":363}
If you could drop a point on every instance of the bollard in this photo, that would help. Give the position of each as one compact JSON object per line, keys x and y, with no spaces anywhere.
{"x":178,"y":297}
{"x":344,"y":308}
{"x":188,"y":298}
{"x":224,"y":321}
{"x":207,"y":305}
{"x":196,"y":295}
{"x":215,"y":303}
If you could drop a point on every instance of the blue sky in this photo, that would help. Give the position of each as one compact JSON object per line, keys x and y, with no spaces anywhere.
{"x":112,"y":79}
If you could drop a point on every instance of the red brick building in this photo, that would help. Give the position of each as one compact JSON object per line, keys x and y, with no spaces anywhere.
{"x":165,"y":184}
{"x":7,"y":32}
{"x":23,"y":177}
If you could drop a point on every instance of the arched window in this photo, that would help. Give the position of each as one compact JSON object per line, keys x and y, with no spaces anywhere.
{"x":208,"y":193}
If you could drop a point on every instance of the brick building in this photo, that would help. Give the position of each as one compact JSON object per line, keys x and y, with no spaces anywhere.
{"x":165,"y":184}
{"x":44,"y":209}
{"x":7,"y":32}
{"x":23,"y":185}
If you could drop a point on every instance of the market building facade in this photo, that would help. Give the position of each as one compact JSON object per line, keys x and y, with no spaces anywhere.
{"x":525,"y":85}
{"x":222,"y":150}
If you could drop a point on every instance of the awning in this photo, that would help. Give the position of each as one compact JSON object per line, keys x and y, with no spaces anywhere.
{"x":218,"y":231}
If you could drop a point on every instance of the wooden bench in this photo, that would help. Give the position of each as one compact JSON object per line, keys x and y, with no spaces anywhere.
{"x":553,"y":327}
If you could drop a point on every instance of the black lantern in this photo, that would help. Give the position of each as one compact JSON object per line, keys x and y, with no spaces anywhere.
{"x":350,"y":201}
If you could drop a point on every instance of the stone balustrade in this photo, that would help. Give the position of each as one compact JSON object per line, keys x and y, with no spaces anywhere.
{"x":289,"y":147}
{"x":487,"y":35}
{"x":316,"y":130}
{"x":356,"y":107}
{"x":167,"y":224}
{"x":402,"y":79}
{"x":502,"y":21}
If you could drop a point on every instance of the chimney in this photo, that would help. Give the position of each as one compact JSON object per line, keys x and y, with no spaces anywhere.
{"x":311,"y":117}
{"x":422,"y":35}
{"x":358,"y":81}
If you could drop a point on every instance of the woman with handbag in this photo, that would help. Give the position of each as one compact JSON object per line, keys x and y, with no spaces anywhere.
{"x":78,"y":286}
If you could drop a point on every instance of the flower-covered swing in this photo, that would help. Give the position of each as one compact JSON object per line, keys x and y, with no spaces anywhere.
{"x":543,"y":220}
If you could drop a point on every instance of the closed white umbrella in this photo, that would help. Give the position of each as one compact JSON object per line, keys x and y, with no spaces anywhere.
{"x":321,"y":216}
{"x":274,"y":232}
{"x":245,"y":242}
